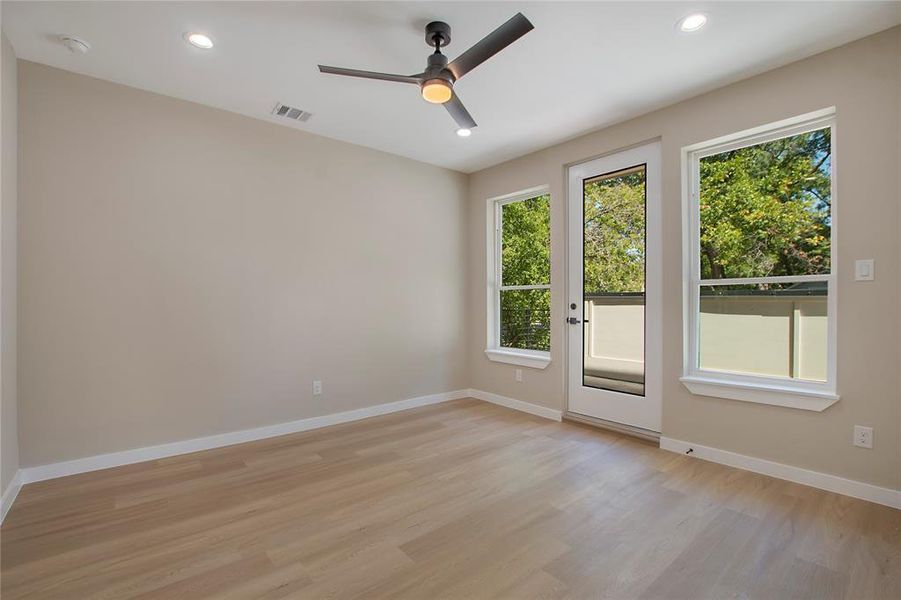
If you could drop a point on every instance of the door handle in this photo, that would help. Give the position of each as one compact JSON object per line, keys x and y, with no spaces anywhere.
{"x":573,"y":321}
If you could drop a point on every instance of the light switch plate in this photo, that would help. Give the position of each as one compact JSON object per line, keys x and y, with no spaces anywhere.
{"x":864,"y":270}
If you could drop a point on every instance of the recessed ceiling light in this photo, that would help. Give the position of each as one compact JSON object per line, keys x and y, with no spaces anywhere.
{"x":199,"y":40}
{"x":75,"y":45}
{"x":692,"y":22}
{"x":463,"y":132}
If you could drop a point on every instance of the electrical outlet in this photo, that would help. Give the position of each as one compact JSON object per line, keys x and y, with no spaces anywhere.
{"x":317,"y":388}
{"x":863,"y":436}
{"x":518,"y":374}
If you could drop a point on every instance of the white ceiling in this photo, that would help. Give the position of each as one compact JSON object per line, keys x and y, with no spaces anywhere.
{"x":586,"y":64}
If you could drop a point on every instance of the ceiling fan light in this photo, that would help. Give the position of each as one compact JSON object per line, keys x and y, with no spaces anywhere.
{"x":436,"y":91}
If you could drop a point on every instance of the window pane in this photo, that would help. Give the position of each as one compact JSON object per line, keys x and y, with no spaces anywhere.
{"x":526,"y":319}
{"x":614,"y":250}
{"x":769,"y":329}
{"x":526,"y":242}
{"x":765,"y":209}
{"x":614,"y":280}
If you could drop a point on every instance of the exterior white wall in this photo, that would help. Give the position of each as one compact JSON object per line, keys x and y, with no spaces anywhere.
{"x":775,"y":336}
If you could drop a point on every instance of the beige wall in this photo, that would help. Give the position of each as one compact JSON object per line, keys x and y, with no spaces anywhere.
{"x":862,"y":81}
{"x":9,"y":437}
{"x":185,"y":271}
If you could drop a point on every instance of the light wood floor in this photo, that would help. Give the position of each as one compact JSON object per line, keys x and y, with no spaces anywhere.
{"x":460,"y":500}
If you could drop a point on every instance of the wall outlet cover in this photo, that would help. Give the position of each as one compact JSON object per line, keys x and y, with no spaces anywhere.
{"x":863,"y":436}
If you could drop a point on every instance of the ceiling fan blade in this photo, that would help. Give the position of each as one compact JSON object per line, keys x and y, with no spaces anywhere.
{"x":490,"y":45}
{"x":371,"y":75}
{"x":456,"y":109}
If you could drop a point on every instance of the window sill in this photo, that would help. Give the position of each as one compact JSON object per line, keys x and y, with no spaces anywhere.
{"x":761,"y":394}
{"x":524,"y":358}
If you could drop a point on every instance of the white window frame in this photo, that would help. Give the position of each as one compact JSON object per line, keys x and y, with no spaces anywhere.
{"x":535,"y":359}
{"x":774,"y":390}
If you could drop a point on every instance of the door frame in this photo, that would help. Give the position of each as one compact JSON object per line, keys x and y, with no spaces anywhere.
{"x":650,"y":420}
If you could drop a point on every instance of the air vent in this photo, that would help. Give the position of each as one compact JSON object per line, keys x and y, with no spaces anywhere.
{"x":289,"y":112}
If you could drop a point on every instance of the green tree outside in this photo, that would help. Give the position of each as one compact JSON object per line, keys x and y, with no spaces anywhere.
{"x":765,"y":209}
{"x":614,"y":237}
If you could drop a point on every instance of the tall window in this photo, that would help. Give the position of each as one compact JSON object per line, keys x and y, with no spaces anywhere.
{"x":760,"y":280}
{"x":520,"y":278}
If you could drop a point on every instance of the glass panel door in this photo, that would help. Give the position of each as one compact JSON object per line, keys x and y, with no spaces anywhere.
{"x":614,"y":288}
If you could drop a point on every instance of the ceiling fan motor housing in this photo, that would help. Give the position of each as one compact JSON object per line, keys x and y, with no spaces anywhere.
{"x":437,"y":69}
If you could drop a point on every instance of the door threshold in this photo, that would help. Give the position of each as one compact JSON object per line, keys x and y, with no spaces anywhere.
{"x":636,"y":432}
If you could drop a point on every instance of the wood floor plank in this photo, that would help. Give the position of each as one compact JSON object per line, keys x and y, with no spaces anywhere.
{"x":459,"y":500}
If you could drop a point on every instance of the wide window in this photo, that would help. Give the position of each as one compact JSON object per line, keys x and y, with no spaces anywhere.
{"x":520,"y":278}
{"x":761,"y":306}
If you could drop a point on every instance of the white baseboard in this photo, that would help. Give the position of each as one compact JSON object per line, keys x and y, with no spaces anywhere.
{"x":9,"y":494}
{"x":823,"y":481}
{"x":527,"y":407}
{"x":126,"y":457}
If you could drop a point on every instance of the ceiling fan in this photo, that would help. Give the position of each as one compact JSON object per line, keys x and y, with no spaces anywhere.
{"x":437,"y":81}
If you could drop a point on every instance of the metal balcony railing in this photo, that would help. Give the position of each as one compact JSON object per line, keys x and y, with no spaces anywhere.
{"x":526,"y":328}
